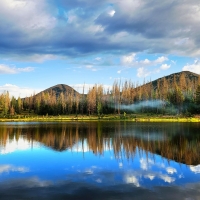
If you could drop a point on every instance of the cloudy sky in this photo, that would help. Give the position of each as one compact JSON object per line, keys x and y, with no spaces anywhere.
{"x":48,"y":42}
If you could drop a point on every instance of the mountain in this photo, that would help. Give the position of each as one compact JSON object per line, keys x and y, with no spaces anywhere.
{"x":60,"y":88}
{"x":190,"y":79}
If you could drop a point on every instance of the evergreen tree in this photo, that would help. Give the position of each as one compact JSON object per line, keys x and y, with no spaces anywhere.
{"x":176,"y":97}
{"x":19,"y":106}
{"x":197,"y":100}
{"x":182,"y":82}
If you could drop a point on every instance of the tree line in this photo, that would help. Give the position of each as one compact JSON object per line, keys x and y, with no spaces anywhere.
{"x":165,"y":96}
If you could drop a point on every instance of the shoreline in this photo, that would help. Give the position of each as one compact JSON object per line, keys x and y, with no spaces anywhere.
{"x":96,"y":118}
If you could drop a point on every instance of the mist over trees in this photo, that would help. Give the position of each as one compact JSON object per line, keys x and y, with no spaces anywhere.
{"x":175,"y":94}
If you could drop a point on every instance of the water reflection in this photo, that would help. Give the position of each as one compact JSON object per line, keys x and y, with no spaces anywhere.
{"x":100,"y":160}
{"x":176,"y":142}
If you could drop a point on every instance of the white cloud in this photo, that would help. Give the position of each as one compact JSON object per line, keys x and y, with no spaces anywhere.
{"x":142,"y":72}
{"x":99,"y":180}
{"x":16,"y":145}
{"x":111,"y":13}
{"x":26,"y":69}
{"x":33,"y":15}
{"x":143,"y":164}
{"x":91,"y":67}
{"x":89,"y":171}
{"x":146,"y":61}
{"x":167,"y":178}
{"x":195,"y":169}
{"x":98,"y":58}
{"x":10,"y":168}
{"x":129,"y":7}
{"x":171,"y":170}
{"x":5,"y":69}
{"x":150,"y":176}
{"x":17,"y":91}
{"x":193,"y":67}
{"x":146,"y":163}
{"x":131,"y":61}
{"x":17,"y":3}
{"x":161,"y":59}
{"x":130,"y":179}
{"x":165,"y":67}
{"x":120,"y":165}
{"x":128,"y":59}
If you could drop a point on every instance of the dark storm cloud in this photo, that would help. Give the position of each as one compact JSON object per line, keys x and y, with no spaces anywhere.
{"x":69,"y":28}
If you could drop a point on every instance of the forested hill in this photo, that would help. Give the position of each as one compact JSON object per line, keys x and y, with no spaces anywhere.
{"x":185,"y":78}
{"x":58,"y":89}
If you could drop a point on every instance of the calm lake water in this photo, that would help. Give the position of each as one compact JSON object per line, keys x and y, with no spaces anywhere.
{"x":100,"y":160}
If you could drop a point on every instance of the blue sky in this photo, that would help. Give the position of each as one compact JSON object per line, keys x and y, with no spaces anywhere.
{"x":76,"y":42}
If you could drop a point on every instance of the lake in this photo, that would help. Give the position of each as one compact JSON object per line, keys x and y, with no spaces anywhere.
{"x":99,"y":160}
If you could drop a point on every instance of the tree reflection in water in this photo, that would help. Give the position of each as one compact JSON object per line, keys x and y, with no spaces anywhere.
{"x":179,"y":142}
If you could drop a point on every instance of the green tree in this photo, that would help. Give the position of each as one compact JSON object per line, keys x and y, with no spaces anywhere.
{"x":19,"y":105}
{"x":176,"y":97}
{"x":99,"y":108}
{"x":197,"y":100}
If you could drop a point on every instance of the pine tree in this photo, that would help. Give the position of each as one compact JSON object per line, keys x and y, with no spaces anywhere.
{"x":165,"y":88}
{"x":82,"y":100}
{"x":77,"y":102}
{"x":19,"y":105}
{"x":12,"y":110}
{"x":6,"y":103}
{"x":176,"y":97}
{"x":92,"y":100}
{"x":182,"y":82}
{"x":117,"y":96}
{"x":197,"y":100}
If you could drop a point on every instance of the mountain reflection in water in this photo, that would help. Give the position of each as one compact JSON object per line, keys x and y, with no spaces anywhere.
{"x":100,"y":160}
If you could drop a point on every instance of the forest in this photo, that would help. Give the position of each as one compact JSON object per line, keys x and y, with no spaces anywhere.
{"x":174,"y":95}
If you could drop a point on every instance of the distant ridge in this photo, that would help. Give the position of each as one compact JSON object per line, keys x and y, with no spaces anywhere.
{"x":58,"y":89}
{"x":189,"y":77}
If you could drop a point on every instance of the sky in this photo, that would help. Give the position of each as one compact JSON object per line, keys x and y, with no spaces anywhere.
{"x":76,"y":42}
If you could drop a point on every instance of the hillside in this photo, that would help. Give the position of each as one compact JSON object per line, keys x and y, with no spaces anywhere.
{"x":188,"y":78}
{"x":58,"y":89}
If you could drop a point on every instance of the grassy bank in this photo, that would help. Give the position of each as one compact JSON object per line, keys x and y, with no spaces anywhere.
{"x":122,"y":117}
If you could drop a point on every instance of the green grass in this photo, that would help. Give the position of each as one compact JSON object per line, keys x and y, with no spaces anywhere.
{"x":110,"y":117}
